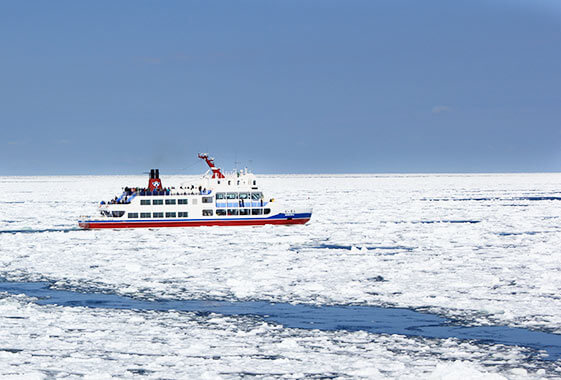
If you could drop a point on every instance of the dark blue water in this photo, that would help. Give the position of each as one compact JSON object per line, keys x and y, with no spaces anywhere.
{"x":483,"y":199}
{"x":353,"y":318}
{"x":350,"y":247}
{"x":30,"y":231}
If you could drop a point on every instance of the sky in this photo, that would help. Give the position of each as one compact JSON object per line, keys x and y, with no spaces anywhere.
{"x":293,"y":86}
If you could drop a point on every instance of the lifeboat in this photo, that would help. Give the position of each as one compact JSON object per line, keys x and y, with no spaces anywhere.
{"x":217,"y":199}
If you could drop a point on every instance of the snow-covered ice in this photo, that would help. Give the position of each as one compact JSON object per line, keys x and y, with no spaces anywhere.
{"x":51,"y":341}
{"x":483,"y":249}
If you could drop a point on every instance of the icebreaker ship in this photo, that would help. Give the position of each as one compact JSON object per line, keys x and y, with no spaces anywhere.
{"x":217,"y":199}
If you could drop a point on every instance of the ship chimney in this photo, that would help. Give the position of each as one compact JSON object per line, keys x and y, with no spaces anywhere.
{"x":154,"y":183}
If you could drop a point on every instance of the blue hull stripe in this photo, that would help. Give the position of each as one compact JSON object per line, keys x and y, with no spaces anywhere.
{"x":126,"y":220}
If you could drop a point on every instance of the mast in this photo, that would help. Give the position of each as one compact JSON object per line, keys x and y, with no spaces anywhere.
{"x":216,"y":173}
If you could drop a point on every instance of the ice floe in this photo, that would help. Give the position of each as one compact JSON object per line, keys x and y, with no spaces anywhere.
{"x":483,"y":249}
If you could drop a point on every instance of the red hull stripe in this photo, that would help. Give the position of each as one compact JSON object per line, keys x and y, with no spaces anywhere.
{"x":193,"y":223}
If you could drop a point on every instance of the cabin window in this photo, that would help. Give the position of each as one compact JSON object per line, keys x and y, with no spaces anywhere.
{"x":207,"y":199}
{"x":157,"y":214}
{"x":244,"y":195}
{"x":158,"y":202}
{"x":229,"y":182}
{"x":182,"y":201}
{"x":183,"y":214}
{"x":254,"y":183}
{"x":145,"y":202}
{"x":256,"y":196}
{"x":244,"y":211}
{"x":232,"y":212}
{"x":218,"y":182}
{"x":232,"y":195}
{"x":132,"y":215}
{"x":117,"y":214}
{"x":170,"y":214}
{"x":145,"y":215}
{"x":170,"y":201}
{"x":220,"y":196}
{"x":256,"y":211}
{"x":220,"y":212}
{"x":266,"y":211}
{"x":207,"y":212}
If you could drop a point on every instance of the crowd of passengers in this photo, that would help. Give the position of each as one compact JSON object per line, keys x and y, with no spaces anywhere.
{"x":145,"y":191}
{"x":187,"y":190}
{"x":117,"y":201}
{"x":191,"y":190}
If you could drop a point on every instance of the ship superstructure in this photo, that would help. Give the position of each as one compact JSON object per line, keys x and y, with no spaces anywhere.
{"x":217,"y":199}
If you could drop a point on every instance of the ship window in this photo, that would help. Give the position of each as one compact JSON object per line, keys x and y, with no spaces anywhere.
{"x":244,"y":211}
{"x":232,"y":212}
{"x":145,"y":202}
{"x":244,"y":195}
{"x":220,"y":196}
{"x":183,"y":214}
{"x":267,"y":211}
{"x":232,"y":195}
{"x":133,"y":215}
{"x":117,"y":214}
{"x":158,"y":214}
{"x":256,"y":211}
{"x":207,"y":212}
{"x":182,"y":201}
{"x":158,"y":202}
{"x":106,"y":213}
{"x":207,"y":199}
{"x":254,"y":183}
{"x":144,"y":214}
{"x":170,"y":201}
{"x":170,"y":214}
{"x":256,"y":196}
{"x":229,"y":182}
{"x":221,"y":212}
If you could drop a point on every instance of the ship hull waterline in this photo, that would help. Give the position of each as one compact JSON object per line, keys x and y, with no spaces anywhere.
{"x":98,"y":224}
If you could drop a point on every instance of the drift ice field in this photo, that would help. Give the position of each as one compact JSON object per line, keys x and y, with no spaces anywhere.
{"x":474,"y":251}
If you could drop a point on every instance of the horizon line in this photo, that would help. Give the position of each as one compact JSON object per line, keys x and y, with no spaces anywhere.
{"x":296,"y":174}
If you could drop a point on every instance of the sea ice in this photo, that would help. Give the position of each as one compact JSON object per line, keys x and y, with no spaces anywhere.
{"x":479,"y":248}
{"x":71,"y":342}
